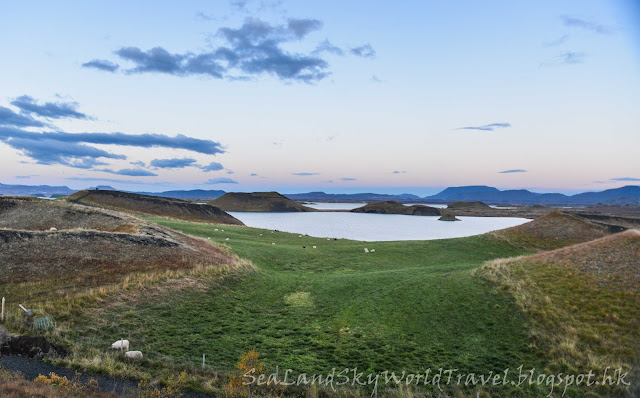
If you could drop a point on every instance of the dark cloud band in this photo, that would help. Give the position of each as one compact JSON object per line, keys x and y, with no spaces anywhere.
{"x":253,"y":49}
{"x":51,"y":110}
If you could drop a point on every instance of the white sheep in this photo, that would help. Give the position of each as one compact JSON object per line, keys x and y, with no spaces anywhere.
{"x":227,"y":239}
{"x":273,"y":243}
{"x":314,"y":247}
{"x":328,"y":238}
{"x":216,"y":229}
{"x":121,"y":345}
{"x":136,"y":355}
{"x":366,"y":250}
{"x":53,"y":229}
{"x":208,"y":237}
{"x":373,"y":250}
{"x":260,"y":234}
{"x":222,"y":230}
{"x":299,"y":236}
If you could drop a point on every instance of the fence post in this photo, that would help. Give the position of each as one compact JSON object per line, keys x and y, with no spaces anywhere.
{"x":202,"y":361}
{"x":3,"y":309}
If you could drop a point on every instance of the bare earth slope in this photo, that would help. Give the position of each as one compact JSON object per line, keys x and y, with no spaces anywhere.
{"x":583,"y":302}
{"x":551,"y":231}
{"x":258,"y":201}
{"x":153,"y":205}
{"x":41,"y":215}
{"x":88,"y":248}
{"x":392,"y":207}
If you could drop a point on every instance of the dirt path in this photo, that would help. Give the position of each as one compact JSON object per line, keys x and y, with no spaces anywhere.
{"x":31,"y":368}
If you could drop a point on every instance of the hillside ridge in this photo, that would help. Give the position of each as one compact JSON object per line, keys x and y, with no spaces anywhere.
{"x":154,"y":206}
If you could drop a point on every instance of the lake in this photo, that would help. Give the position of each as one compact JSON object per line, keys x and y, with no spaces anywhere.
{"x":374,"y":227}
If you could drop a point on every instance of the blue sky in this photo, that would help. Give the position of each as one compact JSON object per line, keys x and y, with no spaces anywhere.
{"x":321,"y":95}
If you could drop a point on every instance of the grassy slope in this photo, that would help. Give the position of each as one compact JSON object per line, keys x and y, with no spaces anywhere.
{"x":583,"y":301}
{"x":552,"y":231}
{"x":409,"y":306}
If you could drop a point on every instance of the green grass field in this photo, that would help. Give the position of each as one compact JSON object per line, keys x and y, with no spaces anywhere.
{"x":409,"y":306}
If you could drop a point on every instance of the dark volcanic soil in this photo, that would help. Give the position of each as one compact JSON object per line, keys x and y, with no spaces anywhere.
{"x":36,"y":347}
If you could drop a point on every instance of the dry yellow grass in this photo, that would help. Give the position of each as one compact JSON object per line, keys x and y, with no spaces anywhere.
{"x":15,"y":387}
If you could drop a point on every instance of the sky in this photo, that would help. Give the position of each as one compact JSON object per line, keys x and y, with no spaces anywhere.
{"x":334,"y":96}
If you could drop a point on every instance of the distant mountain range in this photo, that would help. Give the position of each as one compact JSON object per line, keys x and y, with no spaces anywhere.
{"x":192,"y":194}
{"x":626,"y":195}
{"x":34,"y":190}
{"x":336,"y":197}
{"x":629,"y":194}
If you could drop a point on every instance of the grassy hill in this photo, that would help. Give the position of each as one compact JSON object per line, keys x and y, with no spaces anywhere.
{"x":392,"y":207}
{"x":153,"y":205}
{"x":409,"y":306}
{"x":258,"y":201}
{"x":583,"y":302}
{"x":552,"y":231}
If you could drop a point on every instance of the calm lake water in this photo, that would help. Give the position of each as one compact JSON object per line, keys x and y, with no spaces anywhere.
{"x":374,"y":227}
{"x":333,"y":206}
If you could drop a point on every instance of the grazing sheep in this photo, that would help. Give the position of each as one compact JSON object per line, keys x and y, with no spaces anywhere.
{"x":53,"y":229}
{"x":216,"y":229}
{"x":209,"y":237}
{"x":121,"y":345}
{"x":222,"y":230}
{"x":314,"y":247}
{"x":328,"y":238}
{"x":273,"y":243}
{"x":366,"y":250}
{"x":260,"y":234}
{"x":136,"y":355}
{"x":299,"y":236}
{"x":227,"y":239}
{"x":373,"y":250}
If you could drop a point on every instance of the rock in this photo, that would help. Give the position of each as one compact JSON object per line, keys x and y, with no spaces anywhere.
{"x":393,"y":207}
{"x":36,"y":347}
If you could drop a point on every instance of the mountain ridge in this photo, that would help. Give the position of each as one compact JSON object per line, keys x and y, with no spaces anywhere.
{"x":629,"y":194}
